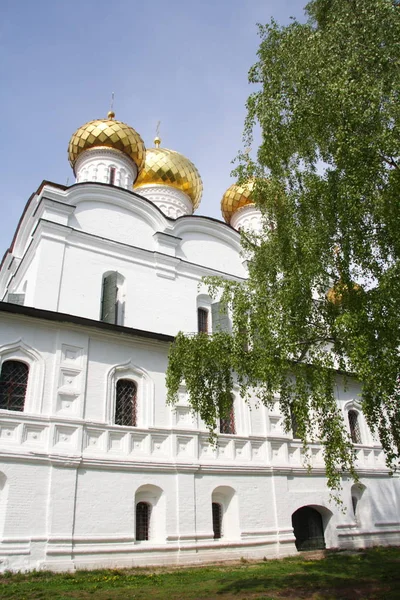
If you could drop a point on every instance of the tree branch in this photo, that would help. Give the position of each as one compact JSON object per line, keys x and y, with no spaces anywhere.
{"x":390,"y":161}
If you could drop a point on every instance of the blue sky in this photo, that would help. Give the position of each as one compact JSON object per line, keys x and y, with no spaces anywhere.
{"x":182,"y":62}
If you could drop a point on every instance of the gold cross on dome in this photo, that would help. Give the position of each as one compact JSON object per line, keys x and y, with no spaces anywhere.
{"x":246,"y":153}
{"x":111,"y":113}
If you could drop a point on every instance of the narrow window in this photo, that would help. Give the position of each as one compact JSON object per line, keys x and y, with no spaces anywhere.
{"x":354,"y":501}
{"x":217,"y":520}
{"x":220,"y":318}
{"x":143,"y":510}
{"x":202,"y":320}
{"x":354,"y":425}
{"x":111,"y":308}
{"x":13,"y":384}
{"x":227,"y":424}
{"x":112,"y":176}
{"x":125,"y":405}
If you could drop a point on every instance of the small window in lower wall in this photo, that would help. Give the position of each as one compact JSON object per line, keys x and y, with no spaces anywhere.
{"x":13,"y":384}
{"x":143,"y":510}
{"x":217,"y":520}
{"x":125,"y":403}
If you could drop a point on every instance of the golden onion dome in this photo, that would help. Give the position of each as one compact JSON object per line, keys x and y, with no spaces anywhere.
{"x":235,"y":197}
{"x":168,"y":167}
{"x":110,"y":134}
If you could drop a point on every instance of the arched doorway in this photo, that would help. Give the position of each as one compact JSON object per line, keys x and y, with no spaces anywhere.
{"x":308,"y":529}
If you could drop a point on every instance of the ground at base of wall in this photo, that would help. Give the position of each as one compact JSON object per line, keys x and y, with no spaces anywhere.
{"x":367,"y":575}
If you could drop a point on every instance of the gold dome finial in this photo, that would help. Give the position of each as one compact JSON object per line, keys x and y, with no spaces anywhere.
{"x":157,"y":139}
{"x":111,"y":113}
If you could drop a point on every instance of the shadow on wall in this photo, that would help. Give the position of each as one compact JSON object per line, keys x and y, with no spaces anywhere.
{"x":377,"y":504}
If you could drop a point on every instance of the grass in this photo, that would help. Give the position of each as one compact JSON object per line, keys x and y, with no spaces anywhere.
{"x":371,"y":574}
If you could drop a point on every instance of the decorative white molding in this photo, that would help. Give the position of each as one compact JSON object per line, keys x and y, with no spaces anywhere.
{"x":173,"y":203}
{"x":166,"y":243}
{"x":203,"y":226}
{"x":247,"y":217}
{"x":126,"y":199}
{"x":70,"y":381}
{"x":95,"y":164}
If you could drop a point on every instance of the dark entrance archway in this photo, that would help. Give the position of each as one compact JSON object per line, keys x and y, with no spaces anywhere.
{"x":308,"y":529}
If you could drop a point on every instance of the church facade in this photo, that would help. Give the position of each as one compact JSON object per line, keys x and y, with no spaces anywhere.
{"x":95,"y":468}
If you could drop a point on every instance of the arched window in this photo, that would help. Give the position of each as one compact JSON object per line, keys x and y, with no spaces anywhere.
{"x":143,"y":510}
{"x":217,"y":520}
{"x":202,"y":320}
{"x":357,"y":492}
{"x":354,"y":426}
{"x":13,"y":384}
{"x":112,"y":299}
{"x":227,"y":424}
{"x":125,"y":404}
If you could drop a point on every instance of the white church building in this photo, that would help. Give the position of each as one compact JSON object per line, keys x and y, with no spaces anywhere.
{"x":95,"y":468}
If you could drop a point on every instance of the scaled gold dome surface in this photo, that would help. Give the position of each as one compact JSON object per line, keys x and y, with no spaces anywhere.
{"x":235,"y":197}
{"x":109,"y":133}
{"x":168,"y":167}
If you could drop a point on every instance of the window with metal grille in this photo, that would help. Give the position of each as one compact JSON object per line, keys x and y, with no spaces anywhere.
{"x":202,"y":320}
{"x":125,"y":404}
{"x":217,"y":520}
{"x":354,"y":425}
{"x":227,"y":424}
{"x":112,"y":176}
{"x":13,"y":384}
{"x":143,"y":510}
